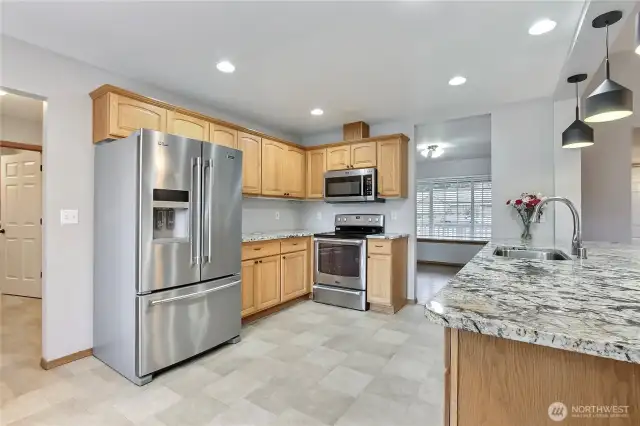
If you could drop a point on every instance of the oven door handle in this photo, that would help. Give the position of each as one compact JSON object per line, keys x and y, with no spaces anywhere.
{"x":341,"y":241}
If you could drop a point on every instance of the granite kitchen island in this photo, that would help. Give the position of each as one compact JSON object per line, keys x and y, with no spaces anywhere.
{"x":532,"y":342}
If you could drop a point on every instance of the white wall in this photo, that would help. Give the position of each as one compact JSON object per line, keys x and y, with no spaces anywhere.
{"x":567,"y":173}
{"x":259,"y":215}
{"x":453,"y":168}
{"x":16,"y":129}
{"x":606,"y":166}
{"x":68,"y":181}
{"x":522,"y":152}
{"x":404,"y":209}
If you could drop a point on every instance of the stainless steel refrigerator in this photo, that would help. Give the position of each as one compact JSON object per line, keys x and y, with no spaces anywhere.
{"x":167,"y":245}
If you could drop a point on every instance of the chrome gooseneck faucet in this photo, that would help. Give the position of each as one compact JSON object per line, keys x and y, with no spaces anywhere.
{"x":576,"y":243}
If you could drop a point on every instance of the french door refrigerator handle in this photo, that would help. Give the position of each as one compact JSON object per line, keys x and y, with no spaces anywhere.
{"x":208,"y":217}
{"x":192,"y":295}
{"x":196,"y":215}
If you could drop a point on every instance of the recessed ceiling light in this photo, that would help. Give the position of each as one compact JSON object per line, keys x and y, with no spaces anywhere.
{"x":317,"y":111}
{"x":2,"y":93}
{"x":225,"y":66}
{"x":542,"y":26}
{"x":457,"y":81}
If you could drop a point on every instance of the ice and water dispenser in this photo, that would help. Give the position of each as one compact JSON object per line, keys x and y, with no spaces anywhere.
{"x":170,"y":214}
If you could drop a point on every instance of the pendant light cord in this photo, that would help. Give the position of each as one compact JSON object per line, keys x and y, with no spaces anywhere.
{"x":577,"y":104}
{"x":606,"y":60}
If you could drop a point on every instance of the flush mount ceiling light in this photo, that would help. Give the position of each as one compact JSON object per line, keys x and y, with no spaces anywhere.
{"x":610,"y":101}
{"x":225,"y":67}
{"x":457,"y":81}
{"x":638,"y":34}
{"x":432,"y":151}
{"x":542,"y":26}
{"x":317,"y":111}
{"x":578,"y":134}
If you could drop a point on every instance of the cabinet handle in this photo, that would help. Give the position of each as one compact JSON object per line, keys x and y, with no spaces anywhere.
{"x":368,"y":257}
{"x":284,"y":257}
{"x":255,"y":263}
{"x":295,"y":244}
{"x":257,"y":248}
{"x":261,"y":261}
{"x":379,"y":246}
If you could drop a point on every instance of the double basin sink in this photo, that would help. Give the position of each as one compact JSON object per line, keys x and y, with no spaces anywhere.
{"x":530,"y":253}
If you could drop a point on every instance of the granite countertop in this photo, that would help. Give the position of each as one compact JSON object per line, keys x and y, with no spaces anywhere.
{"x":275,"y":235}
{"x":591,"y":306}
{"x":387,"y":236}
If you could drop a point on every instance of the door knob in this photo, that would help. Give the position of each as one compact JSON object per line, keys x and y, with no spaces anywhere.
{"x":2,"y":231}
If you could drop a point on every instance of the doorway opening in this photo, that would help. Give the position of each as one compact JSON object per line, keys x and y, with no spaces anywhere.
{"x":21,"y":136}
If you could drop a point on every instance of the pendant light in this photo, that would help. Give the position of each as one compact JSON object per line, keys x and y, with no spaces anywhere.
{"x":578,"y":134}
{"x":610,"y":101}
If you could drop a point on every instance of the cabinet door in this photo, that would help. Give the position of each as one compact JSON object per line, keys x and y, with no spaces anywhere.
{"x":294,"y":274}
{"x":251,"y":147}
{"x":379,"y":279}
{"x":187,"y":126}
{"x":273,"y":155}
{"x":268,"y":288}
{"x":127,"y":115}
{"x":316,"y":166}
{"x":223,"y":135}
{"x":248,"y":287}
{"x":339,"y":157}
{"x":390,"y":168}
{"x":294,"y":172}
{"x":363,"y":155}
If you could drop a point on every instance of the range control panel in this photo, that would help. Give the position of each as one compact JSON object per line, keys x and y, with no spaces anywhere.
{"x":359,"y":220}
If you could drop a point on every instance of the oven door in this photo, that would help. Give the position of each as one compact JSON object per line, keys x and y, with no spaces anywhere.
{"x":340,"y":186}
{"x":340,"y":263}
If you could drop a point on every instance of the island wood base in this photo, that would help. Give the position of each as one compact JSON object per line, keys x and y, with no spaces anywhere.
{"x":491,"y":381}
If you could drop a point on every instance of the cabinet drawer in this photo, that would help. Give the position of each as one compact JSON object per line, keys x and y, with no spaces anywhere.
{"x":379,"y":246}
{"x":260,"y":249}
{"x":294,"y":244}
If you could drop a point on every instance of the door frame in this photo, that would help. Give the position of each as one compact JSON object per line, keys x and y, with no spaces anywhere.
{"x":41,"y":148}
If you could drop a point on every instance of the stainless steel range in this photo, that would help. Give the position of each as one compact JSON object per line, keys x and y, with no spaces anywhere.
{"x":340,"y":275}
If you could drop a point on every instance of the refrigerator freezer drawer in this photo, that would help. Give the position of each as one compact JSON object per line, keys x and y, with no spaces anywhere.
{"x":353,"y":299}
{"x":174,"y":325}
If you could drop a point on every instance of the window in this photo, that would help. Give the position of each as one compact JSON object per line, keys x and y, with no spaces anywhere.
{"x":457,"y":207}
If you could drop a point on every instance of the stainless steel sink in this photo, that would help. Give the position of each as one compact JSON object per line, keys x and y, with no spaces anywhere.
{"x":530,"y":253}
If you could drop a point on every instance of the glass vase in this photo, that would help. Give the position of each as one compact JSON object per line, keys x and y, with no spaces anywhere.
{"x":525,"y":237}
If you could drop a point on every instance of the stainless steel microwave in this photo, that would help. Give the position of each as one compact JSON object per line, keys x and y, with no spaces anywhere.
{"x":353,"y":185}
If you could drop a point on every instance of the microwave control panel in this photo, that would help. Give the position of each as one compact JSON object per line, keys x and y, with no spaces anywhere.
{"x":368,"y":185}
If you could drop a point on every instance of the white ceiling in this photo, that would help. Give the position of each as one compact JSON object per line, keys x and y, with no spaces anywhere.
{"x":371,"y":61}
{"x":21,"y":107}
{"x":460,"y":139}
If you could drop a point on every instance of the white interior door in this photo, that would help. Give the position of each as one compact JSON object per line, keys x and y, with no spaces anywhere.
{"x":20,"y":228}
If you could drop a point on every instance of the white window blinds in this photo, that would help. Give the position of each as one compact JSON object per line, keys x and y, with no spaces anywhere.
{"x":454,"y":207}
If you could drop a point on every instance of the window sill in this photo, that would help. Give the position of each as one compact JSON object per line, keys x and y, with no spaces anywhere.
{"x":453,"y":240}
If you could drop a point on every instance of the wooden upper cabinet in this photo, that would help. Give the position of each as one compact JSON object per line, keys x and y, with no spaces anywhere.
{"x":268,"y":284}
{"x":273,"y":160}
{"x":294,"y":275}
{"x":339,"y":157}
{"x":392,"y":168}
{"x":316,"y":166}
{"x":248,"y":285}
{"x":363,"y":155}
{"x":222,"y":135}
{"x":295,"y":172}
{"x":251,"y":147}
{"x":116,"y":116}
{"x":187,"y":126}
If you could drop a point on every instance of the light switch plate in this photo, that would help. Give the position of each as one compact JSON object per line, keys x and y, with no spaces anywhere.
{"x":277,"y":215}
{"x":68,"y":217}
{"x":319,"y":215}
{"x":394,"y":216}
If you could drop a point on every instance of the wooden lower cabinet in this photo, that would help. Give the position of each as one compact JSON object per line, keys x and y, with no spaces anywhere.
{"x":280,"y":275}
{"x":387,"y":274}
{"x":248,"y":285}
{"x":294,"y":275}
{"x":267,"y":290}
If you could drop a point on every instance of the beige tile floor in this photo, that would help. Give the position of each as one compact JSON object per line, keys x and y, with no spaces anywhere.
{"x":309,"y":365}
{"x":431,"y":278}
